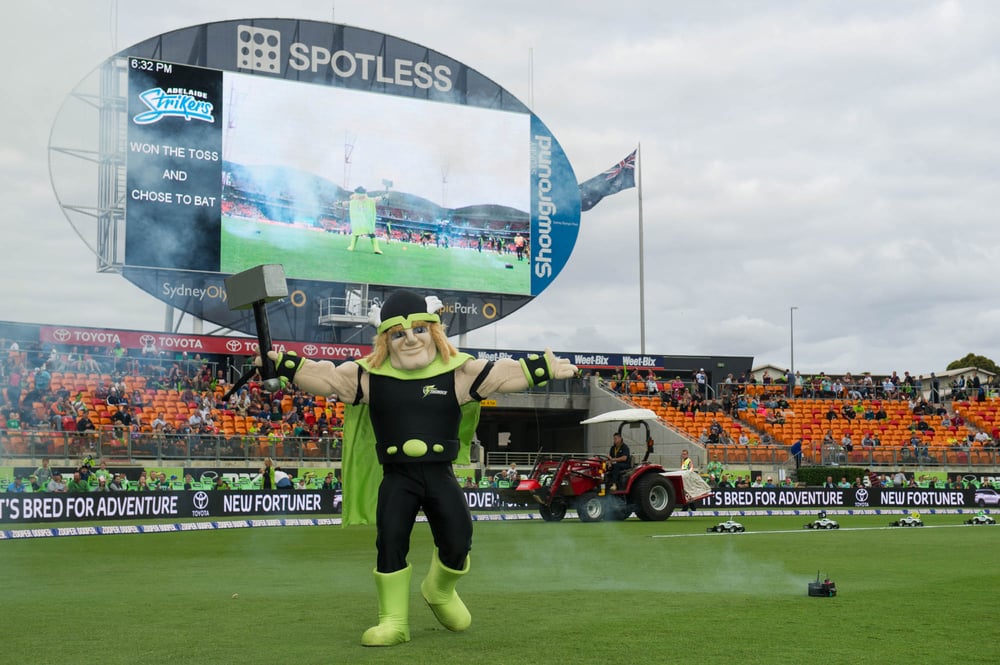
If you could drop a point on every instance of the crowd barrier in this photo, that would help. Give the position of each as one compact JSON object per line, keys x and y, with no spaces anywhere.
{"x":44,"y":507}
{"x":36,"y":444}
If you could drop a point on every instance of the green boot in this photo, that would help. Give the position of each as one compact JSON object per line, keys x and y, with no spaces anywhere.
{"x":354,"y":241}
{"x":393,"y":610}
{"x":375,"y":247}
{"x":438,"y":589}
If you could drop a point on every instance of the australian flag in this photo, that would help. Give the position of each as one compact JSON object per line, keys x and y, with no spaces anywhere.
{"x":618,"y":177}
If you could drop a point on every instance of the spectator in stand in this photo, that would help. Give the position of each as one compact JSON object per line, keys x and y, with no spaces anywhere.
{"x":867,"y":441}
{"x":17,"y":487}
{"x":677,"y":387}
{"x":43,"y":380}
{"x":846,"y":443}
{"x":14,"y":421}
{"x":714,"y":468}
{"x":701,"y":381}
{"x":652,"y":387}
{"x":56,"y":484}
{"x":14,"y":376}
{"x":854,"y":389}
{"x":85,"y":424}
{"x":117,"y":483}
{"x":724,"y":483}
{"x":831,"y":413}
{"x":844,"y":483}
{"x":122,"y":420}
{"x":715,"y":432}
{"x":77,"y":484}
{"x":829,"y":484}
{"x":195,"y":421}
{"x":935,"y":389}
{"x":43,"y":474}
{"x":329,"y":482}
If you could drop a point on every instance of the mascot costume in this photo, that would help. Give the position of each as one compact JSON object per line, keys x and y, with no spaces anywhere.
{"x":362,"y":213}
{"x":409,"y":396}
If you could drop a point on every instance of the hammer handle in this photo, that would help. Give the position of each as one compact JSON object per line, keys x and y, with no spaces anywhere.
{"x":267,"y":370}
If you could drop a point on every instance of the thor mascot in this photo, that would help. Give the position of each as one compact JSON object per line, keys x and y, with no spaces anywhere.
{"x":409,"y":394}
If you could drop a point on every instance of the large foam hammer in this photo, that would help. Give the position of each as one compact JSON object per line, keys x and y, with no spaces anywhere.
{"x":254,"y":288}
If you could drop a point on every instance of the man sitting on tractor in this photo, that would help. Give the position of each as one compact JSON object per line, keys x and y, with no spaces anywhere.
{"x":621,"y":462}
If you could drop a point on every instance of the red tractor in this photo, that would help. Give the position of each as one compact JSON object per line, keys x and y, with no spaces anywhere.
{"x":557,"y":483}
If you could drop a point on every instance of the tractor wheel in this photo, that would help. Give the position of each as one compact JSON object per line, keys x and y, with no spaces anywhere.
{"x":654,"y":497}
{"x":553,"y":513}
{"x":590,"y":507}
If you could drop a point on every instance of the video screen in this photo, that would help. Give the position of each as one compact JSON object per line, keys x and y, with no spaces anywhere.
{"x":336,"y":184}
{"x":367,"y":188}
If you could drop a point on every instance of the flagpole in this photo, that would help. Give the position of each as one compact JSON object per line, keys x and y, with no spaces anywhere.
{"x":642,"y":277}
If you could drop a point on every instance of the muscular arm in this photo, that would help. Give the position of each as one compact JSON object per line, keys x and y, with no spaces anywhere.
{"x":506,"y":376}
{"x":325,"y":378}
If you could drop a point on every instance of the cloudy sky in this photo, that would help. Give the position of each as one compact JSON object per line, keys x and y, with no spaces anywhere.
{"x":839,"y":157}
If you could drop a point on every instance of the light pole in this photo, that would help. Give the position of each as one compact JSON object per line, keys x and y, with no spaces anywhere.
{"x":791,"y":340}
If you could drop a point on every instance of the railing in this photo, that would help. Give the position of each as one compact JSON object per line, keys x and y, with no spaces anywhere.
{"x":865,"y":457}
{"x":524,"y":461}
{"x":36,"y":444}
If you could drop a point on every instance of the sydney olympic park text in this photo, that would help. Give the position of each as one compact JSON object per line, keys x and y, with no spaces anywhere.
{"x":50,"y":507}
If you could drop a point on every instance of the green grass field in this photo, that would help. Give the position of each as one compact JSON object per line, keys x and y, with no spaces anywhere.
{"x":316,"y":255}
{"x":564,"y":592}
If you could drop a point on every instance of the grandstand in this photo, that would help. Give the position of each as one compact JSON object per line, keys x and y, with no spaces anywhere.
{"x":306,"y":430}
{"x":905,"y":439}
